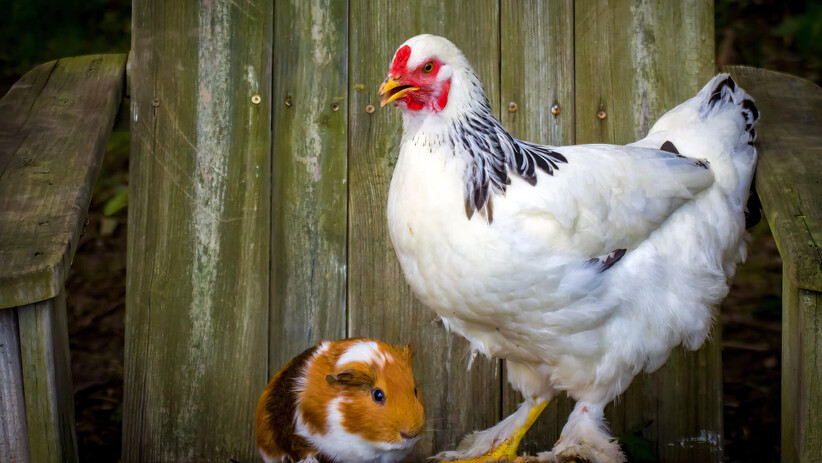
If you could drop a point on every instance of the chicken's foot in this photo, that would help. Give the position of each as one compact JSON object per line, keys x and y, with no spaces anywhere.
{"x":507,"y":450}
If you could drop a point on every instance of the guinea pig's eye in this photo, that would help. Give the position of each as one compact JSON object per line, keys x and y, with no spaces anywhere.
{"x":378,"y":396}
{"x":429,"y":66}
{"x":415,"y":392}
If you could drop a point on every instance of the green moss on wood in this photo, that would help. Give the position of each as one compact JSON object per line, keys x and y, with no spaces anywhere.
{"x":56,"y":121}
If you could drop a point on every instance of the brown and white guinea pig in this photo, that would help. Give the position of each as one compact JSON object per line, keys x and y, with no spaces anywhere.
{"x":354,"y":400}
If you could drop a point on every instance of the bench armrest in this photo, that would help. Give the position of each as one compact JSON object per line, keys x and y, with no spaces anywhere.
{"x":789,"y":172}
{"x":54,"y":124}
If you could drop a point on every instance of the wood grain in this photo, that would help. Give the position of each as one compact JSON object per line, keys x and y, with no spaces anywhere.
{"x":635,"y":61}
{"x":787,"y":180}
{"x":537,"y":72}
{"x":790,"y":160}
{"x":801,"y":373}
{"x":49,"y":395}
{"x":380,"y":302}
{"x":15,"y":108}
{"x":684,"y":401}
{"x":199,"y":229}
{"x":13,"y":435}
{"x":309,"y":177}
{"x":56,"y":122}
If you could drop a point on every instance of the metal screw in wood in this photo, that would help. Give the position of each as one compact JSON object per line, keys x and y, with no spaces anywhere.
{"x":555,"y":110}
{"x":369,"y":109}
{"x":601,"y":114}
{"x":155,"y":102}
{"x":512,"y":107}
{"x":335,"y":107}
{"x":288,"y":102}
{"x":256,"y":99}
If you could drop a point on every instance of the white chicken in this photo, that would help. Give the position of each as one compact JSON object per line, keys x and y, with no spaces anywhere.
{"x":580,"y":265}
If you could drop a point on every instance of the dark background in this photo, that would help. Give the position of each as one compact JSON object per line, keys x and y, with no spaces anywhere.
{"x":779,"y":35}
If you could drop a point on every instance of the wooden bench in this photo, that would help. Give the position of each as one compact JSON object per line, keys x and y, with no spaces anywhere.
{"x":54,"y":124}
{"x":789,"y":182}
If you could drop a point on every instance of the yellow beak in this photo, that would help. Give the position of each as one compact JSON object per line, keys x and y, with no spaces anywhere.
{"x":391,"y":90}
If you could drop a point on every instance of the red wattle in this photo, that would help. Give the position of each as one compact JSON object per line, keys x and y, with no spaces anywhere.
{"x":414,"y":105}
{"x":443,"y":98}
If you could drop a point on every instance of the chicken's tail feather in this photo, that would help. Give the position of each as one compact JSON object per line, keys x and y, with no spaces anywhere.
{"x":723,"y":98}
{"x":722,"y":92}
{"x":717,"y":125}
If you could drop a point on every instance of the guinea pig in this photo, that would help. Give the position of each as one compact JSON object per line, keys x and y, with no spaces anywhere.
{"x":354,"y":400}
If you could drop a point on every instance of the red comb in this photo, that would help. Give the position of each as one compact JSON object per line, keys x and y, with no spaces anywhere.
{"x":400,"y":60}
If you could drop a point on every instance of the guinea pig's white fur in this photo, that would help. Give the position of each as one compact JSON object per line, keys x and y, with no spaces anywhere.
{"x":323,"y":406}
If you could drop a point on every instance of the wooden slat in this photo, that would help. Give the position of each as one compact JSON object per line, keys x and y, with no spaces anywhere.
{"x":792,"y":309}
{"x":199,"y":220}
{"x":635,"y":61}
{"x":787,"y":181}
{"x":309,"y":176}
{"x":380,"y":303}
{"x":49,"y":395}
{"x":13,"y":435}
{"x":684,"y":400}
{"x":787,"y":174}
{"x":801,"y":373}
{"x":56,"y":123}
{"x":537,"y":66}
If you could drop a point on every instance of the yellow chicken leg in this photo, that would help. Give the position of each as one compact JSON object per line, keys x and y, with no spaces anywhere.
{"x":508,"y":448}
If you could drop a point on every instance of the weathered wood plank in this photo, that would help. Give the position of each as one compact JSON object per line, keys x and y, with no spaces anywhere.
{"x":199,"y":229}
{"x":684,"y":400}
{"x":537,"y":66}
{"x":791,"y":385}
{"x":47,"y":386}
{"x":790,"y":160}
{"x":801,"y":373}
{"x":809,"y":429}
{"x":380,"y":302}
{"x":15,"y":109}
{"x":634,"y":61}
{"x":309,"y":176}
{"x":787,"y":181}
{"x":13,"y":435}
{"x":51,"y":153}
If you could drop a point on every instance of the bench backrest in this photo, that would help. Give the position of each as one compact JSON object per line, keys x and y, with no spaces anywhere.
{"x":259,"y":175}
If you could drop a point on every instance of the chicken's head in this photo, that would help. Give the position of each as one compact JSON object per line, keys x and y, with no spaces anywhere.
{"x":425,"y":72}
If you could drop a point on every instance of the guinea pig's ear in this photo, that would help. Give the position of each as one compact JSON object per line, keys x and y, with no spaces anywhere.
{"x":351,"y":378}
{"x":410,"y":352}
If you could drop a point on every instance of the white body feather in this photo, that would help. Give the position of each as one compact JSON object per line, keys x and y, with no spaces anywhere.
{"x":522,"y":287}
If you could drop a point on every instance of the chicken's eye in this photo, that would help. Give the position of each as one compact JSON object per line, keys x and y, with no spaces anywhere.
{"x":429,"y":66}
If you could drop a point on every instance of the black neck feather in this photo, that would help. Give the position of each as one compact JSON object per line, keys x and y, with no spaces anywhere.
{"x":493,"y":155}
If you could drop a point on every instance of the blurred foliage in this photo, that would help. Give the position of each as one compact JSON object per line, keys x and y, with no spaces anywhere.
{"x":781,"y":35}
{"x":36,"y":31}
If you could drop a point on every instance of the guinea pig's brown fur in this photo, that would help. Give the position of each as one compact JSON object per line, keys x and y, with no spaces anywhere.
{"x":323,"y":404}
